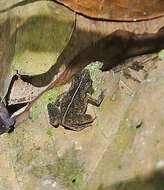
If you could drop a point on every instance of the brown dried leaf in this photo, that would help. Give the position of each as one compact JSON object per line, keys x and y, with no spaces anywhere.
{"x":127,"y":10}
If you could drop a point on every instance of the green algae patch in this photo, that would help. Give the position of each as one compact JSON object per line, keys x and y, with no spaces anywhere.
{"x":123,"y":141}
{"x":161,"y":54}
{"x":124,"y":135}
{"x":49,"y":131}
{"x":94,"y":66}
{"x":113,"y":98}
{"x":26,"y":158}
{"x":100,"y":187}
{"x":39,"y":172}
{"x":67,"y":169}
{"x":103,"y":126}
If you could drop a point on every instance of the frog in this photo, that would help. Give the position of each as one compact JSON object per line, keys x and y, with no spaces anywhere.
{"x":69,"y":109}
{"x":6,"y":122}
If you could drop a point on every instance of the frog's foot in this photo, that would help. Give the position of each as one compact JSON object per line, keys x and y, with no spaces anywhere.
{"x":79,"y":122}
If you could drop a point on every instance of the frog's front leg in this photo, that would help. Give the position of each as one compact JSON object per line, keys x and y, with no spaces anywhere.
{"x":93,"y":101}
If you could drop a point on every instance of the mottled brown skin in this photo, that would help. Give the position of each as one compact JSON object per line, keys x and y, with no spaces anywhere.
{"x":69,"y":110}
{"x":5,"y":120}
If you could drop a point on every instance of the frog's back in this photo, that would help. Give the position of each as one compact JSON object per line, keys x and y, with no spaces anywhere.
{"x":73,"y":103}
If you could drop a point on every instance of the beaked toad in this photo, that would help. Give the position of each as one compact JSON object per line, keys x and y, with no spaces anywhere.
{"x":69,"y":110}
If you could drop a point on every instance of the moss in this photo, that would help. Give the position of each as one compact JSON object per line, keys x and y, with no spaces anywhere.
{"x":100,"y":187}
{"x":124,"y":136}
{"x":4,"y":184}
{"x":118,"y":185}
{"x":94,"y":66}
{"x":105,"y":106}
{"x":161,"y":54}
{"x":113,"y":97}
{"x":103,"y":125}
{"x":25,"y":158}
{"x":120,"y":131}
{"x":49,"y":131}
{"x":125,"y":96}
{"x":116,"y":162}
{"x":39,"y":172}
{"x":123,"y":128}
{"x":6,"y":135}
{"x":68,"y":170}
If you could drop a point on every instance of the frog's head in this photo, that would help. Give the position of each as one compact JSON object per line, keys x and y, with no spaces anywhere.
{"x":86,"y":81}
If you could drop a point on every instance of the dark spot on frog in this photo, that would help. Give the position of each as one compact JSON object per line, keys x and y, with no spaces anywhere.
{"x":69,"y":110}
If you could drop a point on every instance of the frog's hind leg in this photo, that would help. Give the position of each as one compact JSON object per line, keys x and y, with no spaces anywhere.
{"x":79,"y":122}
{"x":54,"y":113}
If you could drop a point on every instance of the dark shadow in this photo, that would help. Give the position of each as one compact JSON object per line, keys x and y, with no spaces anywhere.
{"x":153,"y":181}
{"x":70,"y":51}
